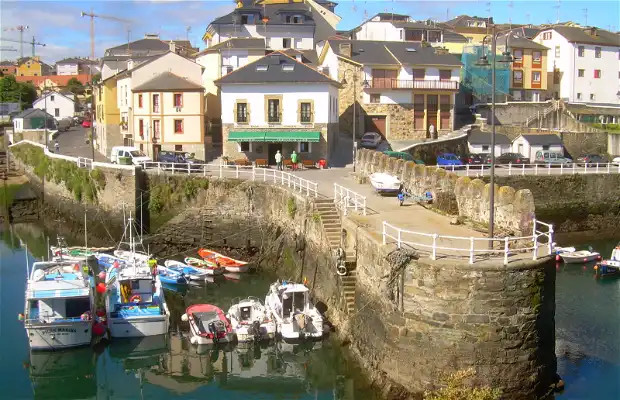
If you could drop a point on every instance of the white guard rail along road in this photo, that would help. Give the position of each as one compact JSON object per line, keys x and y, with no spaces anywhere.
{"x":533,"y":169}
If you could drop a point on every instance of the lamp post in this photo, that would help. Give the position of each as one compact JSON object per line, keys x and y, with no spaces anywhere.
{"x":364,"y":84}
{"x":484,"y":62}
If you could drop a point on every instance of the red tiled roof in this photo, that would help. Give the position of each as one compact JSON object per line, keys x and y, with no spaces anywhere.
{"x":59,"y":80}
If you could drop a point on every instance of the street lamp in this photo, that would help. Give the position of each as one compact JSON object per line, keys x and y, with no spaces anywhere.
{"x":484,"y":62}
{"x":365,"y":85}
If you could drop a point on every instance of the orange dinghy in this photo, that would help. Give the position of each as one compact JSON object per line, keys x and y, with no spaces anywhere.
{"x":230,"y":264}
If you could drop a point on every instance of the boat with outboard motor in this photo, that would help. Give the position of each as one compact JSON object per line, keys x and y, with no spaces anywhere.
{"x":384,"y":183}
{"x":171,"y":277}
{"x":228,"y":263}
{"x":59,"y":303}
{"x":194,"y":274}
{"x":208,"y":324}
{"x":579,"y":256}
{"x":250,"y":321}
{"x":295,"y":315}
{"x":611,"y":266}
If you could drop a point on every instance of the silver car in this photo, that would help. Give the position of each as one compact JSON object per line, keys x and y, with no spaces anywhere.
{"x":550,"y":157}
{"x":370,"y":140}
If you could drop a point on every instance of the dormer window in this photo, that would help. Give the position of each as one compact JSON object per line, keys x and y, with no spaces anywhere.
{"x":294,"y":19}
{"x":288,"y":67}
{"x":247,"y":19}
{"x":261,"y":68}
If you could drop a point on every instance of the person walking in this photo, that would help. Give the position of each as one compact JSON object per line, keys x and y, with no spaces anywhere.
{"x":294,"y":160}
{"x":278,"y":158}
{"x":57,"y":147}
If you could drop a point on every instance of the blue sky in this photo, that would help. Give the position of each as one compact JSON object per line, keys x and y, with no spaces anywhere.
{"x":58,"y":23}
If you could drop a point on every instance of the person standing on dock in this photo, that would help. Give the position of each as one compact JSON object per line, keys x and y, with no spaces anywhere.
{"x":278,"y":158}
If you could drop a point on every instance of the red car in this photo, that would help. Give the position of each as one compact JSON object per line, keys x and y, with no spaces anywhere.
{"x":86,"y":124}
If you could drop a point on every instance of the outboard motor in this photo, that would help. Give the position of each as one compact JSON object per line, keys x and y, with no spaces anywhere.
{"x":255,"y":330}
{"x":213,"y":330}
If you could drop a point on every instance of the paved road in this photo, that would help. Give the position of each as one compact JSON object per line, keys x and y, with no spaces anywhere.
{"x":73,"y":143}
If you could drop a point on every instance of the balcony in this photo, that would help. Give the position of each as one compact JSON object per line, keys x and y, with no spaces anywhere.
{"x":383,"y":83}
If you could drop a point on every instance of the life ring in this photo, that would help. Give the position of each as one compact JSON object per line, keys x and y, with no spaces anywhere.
{"x":135,"y":299}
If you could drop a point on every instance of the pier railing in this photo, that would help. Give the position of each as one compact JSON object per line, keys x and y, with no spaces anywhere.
{"x":346,"y":199}
{"x":534,"y":169}
{"x":475,"y":249}
{"x":283,"y":178}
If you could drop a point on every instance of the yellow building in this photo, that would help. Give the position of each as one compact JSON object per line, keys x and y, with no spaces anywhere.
{"x":107,"y":117}
{"x":32,"y":66}
{"x":528,"y":75}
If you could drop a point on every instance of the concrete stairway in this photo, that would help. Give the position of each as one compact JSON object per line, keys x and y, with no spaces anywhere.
{"x":330,"y":218}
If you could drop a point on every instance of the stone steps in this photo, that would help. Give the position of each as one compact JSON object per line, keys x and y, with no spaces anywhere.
{"x":348,"y":283}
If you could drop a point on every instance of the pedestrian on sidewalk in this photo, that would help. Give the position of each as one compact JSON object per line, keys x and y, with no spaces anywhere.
{"x":278,"y":158}
{"x":56,"y":147}
{"x":294,"y":160}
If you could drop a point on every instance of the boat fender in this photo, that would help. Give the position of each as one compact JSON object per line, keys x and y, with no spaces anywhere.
{"x":184,"y":318}
{"x":135,"y":299}
{"x":557,"y":257}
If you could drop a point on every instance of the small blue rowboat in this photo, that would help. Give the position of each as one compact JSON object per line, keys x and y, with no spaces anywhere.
{"x":170,"y":277}
{"x":194,"y":274}
{"x":107,"y":260}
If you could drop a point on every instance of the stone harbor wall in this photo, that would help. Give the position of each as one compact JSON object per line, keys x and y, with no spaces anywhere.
{"x":572,"y":203}
{"x":458,"y":196}
{"x":417,"y":320}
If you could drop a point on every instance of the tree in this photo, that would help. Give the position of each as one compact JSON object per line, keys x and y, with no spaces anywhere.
{"x":12,"y":91}
{"x":75,"y":86}
{"x":96,"y":78}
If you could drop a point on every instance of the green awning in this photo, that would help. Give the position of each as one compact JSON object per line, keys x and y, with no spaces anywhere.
{"x":279,"y":136}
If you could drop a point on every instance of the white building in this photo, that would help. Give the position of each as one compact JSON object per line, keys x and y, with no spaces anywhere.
{"x":583,"y":64}
{"x":479,"y":142}
{"x":32,"y":119}
{"x":277,"y":103}
{"x":68,"y":66}
{"x":529,"y":145}
{"x":56,"y":104}
{"x":398,"y":27}
{"x":283,"y":25}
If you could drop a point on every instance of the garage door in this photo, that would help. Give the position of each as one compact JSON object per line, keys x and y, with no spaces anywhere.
{"x":376,"y":123}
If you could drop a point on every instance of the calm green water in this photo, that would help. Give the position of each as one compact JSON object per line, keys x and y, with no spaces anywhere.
{"x":163,"y":367}
{"x":587,"y":333}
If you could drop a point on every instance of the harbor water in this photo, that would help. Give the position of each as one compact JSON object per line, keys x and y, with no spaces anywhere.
{"x":587,"y":345}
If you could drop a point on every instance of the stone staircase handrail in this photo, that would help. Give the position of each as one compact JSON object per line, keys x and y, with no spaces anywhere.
{"x":345,"y":198}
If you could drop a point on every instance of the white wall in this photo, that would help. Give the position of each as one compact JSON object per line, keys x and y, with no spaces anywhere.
{"x":303,"y":35}
{"x":379,"y":30}
{"x":67,"y":69}
{"x":60,"y":103}
{"x":530,"y":151}
{"x":479,"y":149}
{"x":255,"y":96}
{"x":18,"y":125}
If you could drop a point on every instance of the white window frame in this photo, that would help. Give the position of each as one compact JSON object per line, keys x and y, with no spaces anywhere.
{"x":534,"y":74}
{"x":557,"y":51}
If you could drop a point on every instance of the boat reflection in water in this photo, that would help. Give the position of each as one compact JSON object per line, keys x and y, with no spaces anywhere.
{"x":278,"y":369}
{"x":65,"y":374}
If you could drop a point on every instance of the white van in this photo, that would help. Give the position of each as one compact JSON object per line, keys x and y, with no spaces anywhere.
{"x":136,"y":156}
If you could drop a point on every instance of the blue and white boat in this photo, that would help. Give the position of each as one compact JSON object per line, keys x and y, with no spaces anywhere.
{"x":194,"y":274}
{"x":107,"y":260}
{"x":171,"y":277}
{"x":135,"y":302}
{"x":59,"y":302}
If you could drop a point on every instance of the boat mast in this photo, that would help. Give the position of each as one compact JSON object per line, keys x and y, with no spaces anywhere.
{"x":132,"y":245}
{"x":85,"y":231}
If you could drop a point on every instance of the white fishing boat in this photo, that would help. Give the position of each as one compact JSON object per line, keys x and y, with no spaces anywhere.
{"x":131,"y":256}
{"x":59,"y":300}
{"x":580,"y":256}
{"x":295,"y":315}
{"x":135,"y":302}
{"x":250,"y":320}
{"x":385,"y":183}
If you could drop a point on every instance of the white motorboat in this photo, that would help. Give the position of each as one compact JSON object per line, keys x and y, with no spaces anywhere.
{"x":135,"y":302}
{"x":385,"y":183}
{"x":208,"y":324}
{"x":580,"y":256}
{"x":295,"y":315}
{"x":194,"y":274}
{"x":250,"y":320}
{"x":59,"y":300}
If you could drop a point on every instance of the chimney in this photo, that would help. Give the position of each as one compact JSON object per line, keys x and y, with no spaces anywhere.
{"x":173,"y":46}
{"x":592,"y":31}
{"x":345,"y":49}
{"x":130,"y":64}
{"x":298,"y":57}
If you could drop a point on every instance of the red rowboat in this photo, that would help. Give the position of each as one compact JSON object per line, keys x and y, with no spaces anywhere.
{"x":230,"y":264}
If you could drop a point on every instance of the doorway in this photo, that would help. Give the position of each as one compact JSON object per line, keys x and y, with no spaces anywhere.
{"x":376,"y":123}
{"x":432,"y":107}
{"x":272,"y":148}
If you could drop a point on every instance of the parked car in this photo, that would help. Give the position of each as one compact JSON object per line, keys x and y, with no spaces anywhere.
{"x":591,"y":159}
{"x":616,"y":161}
{"x":476,"y":159}
{"x":512,"y":158}
{"x":64,"y":124}
{"x":549,"y":157}
{"x":127,"y":155}
{"x":370,"y":140}
{"x":448,"y":159}
{"x":176,"y":157}
{"x":86,"y":124}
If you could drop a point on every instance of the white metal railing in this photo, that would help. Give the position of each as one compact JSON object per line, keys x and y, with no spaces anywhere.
{"x":346,"y":198}
{"x":553,"y":107}
{"x":534,"y":169}
{"x":254,"y":173}
{"x":542,"y":237}
{"x":83,"y":162}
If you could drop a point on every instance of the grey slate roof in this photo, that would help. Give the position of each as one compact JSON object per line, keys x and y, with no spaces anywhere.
{"x":462,"y":20}
{"x":307,"y":56}
{"x":275,"y":72}
{"x":543,"y":140}
{"x":271,"y":11}
{"x":72,"y":60}
{"x":236,"y":43}
{"x":581,"y":35}
{"x":167,"y":81}
{"x":142,"y":44}
{"x":393,"y":53}
{"x":453,"y":37}
{"x":520,"y":43}
{"x":32,"y":112}
{"x":480,"y":137}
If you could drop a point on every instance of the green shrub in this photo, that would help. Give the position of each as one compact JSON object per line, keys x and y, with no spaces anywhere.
{"x":457,"y":389}
{"x":291,"y":206}
{"x":99,"y":177}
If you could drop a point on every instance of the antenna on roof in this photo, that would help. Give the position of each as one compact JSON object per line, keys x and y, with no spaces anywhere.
{"x":188,"y":29}
{"x":585,"y":14}
{"x":510,"y":6}
{"x":448,"y":14}
{"x":557,"y":7}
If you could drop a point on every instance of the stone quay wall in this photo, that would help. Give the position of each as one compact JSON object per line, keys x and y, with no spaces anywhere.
{"x":454,"y":195}
{"x":418,"y":321}
{"x":572,"y":202}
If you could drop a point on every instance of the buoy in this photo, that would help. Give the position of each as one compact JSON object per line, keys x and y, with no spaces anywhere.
{"x":100,"y":312}
{"x":101,"y":275}
{"x":76,"y":267}
{"x":116,"y":264}
{"x":557,"y":257}
{"x":20,"y":317}
{"x":98,"y":329}
{"x":101,"y":288}
{"x":595,"y":267}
